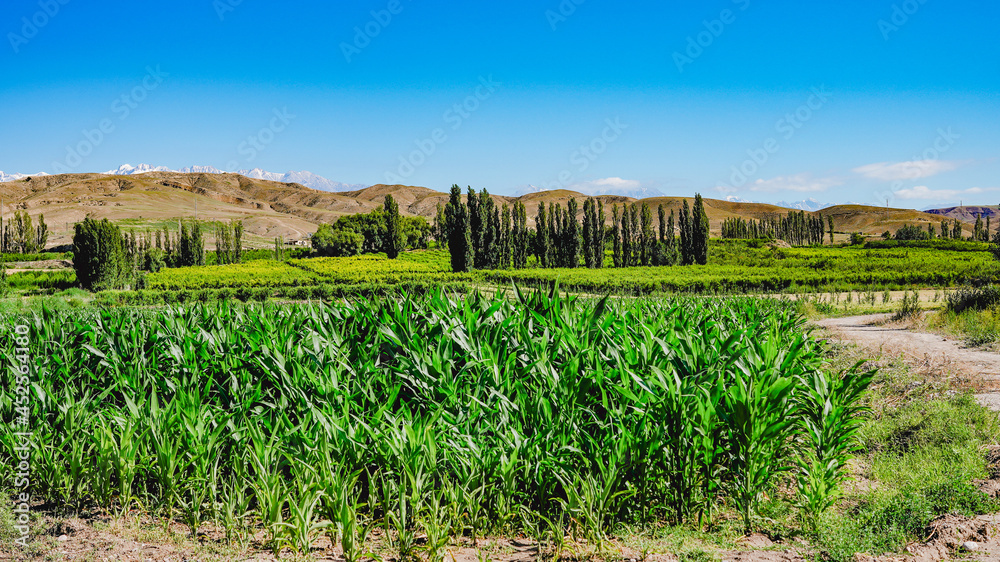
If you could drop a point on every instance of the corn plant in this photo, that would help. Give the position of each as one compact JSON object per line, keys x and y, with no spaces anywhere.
{"x":433,"y":414}
{"x":830,"y":418}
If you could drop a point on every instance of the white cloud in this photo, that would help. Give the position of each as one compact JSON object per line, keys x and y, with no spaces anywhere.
{"x":914,"y":170}
{"x":804,"y":183}
{"x":924,"y":192}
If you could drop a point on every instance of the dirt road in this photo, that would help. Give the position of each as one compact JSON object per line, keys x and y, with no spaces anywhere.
{"x":922,"y":351}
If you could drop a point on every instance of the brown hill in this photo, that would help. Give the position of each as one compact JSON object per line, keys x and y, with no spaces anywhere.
{"x":967,"y":213}
{"x":875,"y":220}
{"x":293,"y":211}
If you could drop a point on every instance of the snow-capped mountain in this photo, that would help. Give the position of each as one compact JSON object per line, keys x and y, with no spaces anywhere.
{"x":804,"y":205}
{"x":130,"y":170}
{"x":593,"y":189}
{"x":811,"y":205}
{"x":14,"y":177}
{"x":307,"y":179}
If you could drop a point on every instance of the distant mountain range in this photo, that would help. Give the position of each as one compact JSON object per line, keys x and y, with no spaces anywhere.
{"x":307,"y":179}
{"x":14,"y":177}
{"x":810,"y":204}
{"x":623,"y":189}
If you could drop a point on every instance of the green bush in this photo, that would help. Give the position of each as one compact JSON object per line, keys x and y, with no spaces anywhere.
{"x":973,"y":298}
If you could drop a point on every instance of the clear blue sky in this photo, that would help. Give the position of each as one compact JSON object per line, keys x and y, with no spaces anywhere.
{"x":905,"y":109}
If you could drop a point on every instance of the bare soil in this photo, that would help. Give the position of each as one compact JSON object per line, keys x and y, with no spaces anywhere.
{"x":930,"y":355}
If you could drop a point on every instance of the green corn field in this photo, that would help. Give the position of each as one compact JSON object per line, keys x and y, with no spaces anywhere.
{"x":432,"y":417}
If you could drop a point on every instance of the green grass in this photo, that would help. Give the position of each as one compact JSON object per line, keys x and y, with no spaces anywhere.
{"x":923,"y":445}
{"x":8,"y":258}
{"x":972,"y":314}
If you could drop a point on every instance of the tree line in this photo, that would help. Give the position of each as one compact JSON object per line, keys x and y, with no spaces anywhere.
{"x":481,"y":236}
{"x":950,"y":230}
{"x":478,"y":235}
{"x":105,"y":257}
{"x":796,"y":228}
{"x":20,"y":236}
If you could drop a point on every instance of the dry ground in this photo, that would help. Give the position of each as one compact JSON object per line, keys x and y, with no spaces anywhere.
{"x":929,"y":355}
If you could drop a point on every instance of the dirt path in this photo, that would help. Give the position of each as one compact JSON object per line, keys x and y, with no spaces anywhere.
{"x":924,"y":351}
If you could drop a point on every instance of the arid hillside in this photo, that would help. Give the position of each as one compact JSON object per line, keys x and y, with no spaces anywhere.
{"x":270,"y":209}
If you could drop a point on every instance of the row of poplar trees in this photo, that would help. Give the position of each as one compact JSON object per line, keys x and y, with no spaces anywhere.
{"x":797,"y":228}
{"x":481,"y":236}
{"x":636,"y":244}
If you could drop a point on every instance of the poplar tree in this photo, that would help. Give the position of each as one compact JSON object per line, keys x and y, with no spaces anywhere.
{"x":393,"y":228}
{"x":626,"y":236}
{"x":588,"y":233}
{"x":663,"y":223}
{"x":599,"y":233}
{"x":542,"y":240}
{"x":616,"y":235}
{"x":237,"y":241}
{"x":459,"y":237}
{"x":700,"y":231}
{"x":687,"y":256}
{"x":100,"y":256}
{"x":519,"y":240}
{"x":636,"y":235}
{"x":441,"y":226}
{"x":671,"y":242}
{"x":506,"y":236}
{"x":475,"y":224}
{"x":648,"y":237}
{"x":555,"y":235}
{"x":572,"y":234}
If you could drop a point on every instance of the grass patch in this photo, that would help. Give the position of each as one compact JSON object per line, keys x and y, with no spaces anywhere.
{"x":922,"y":446}
{"x":977,"y":328}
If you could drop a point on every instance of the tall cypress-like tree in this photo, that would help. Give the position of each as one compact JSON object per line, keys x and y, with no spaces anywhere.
{"x":636,"y":235}
{"x":475,"y":224}
{"x":460,"y":239}
{"x":700,"y":231}
{"x":616,"y":235}
{"x":441,"y":226}
{"x":506,"y":237}
{"x":671,"y":242}
{"x":626,"y":236}
{"x":555,"y":235}
{"x":542,"y":241}
{"x":648,"y":237}
{"x":572,"y":234}
{"x":662,"y":215}
{"x":494,"y":245}
{"x":485,"y":256}
{"x":687,"y":254}
{"x":599,"y":235}
{"x":237,"y":241}
{"x":588,"y":233}
{"x":393,"y":228}
{"x":221,"y":254}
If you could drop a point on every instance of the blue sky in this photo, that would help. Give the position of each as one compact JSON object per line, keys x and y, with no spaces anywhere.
{"x":862,"y":101}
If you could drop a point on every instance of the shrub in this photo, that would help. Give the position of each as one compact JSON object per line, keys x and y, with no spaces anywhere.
{"x":973,"y":298}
